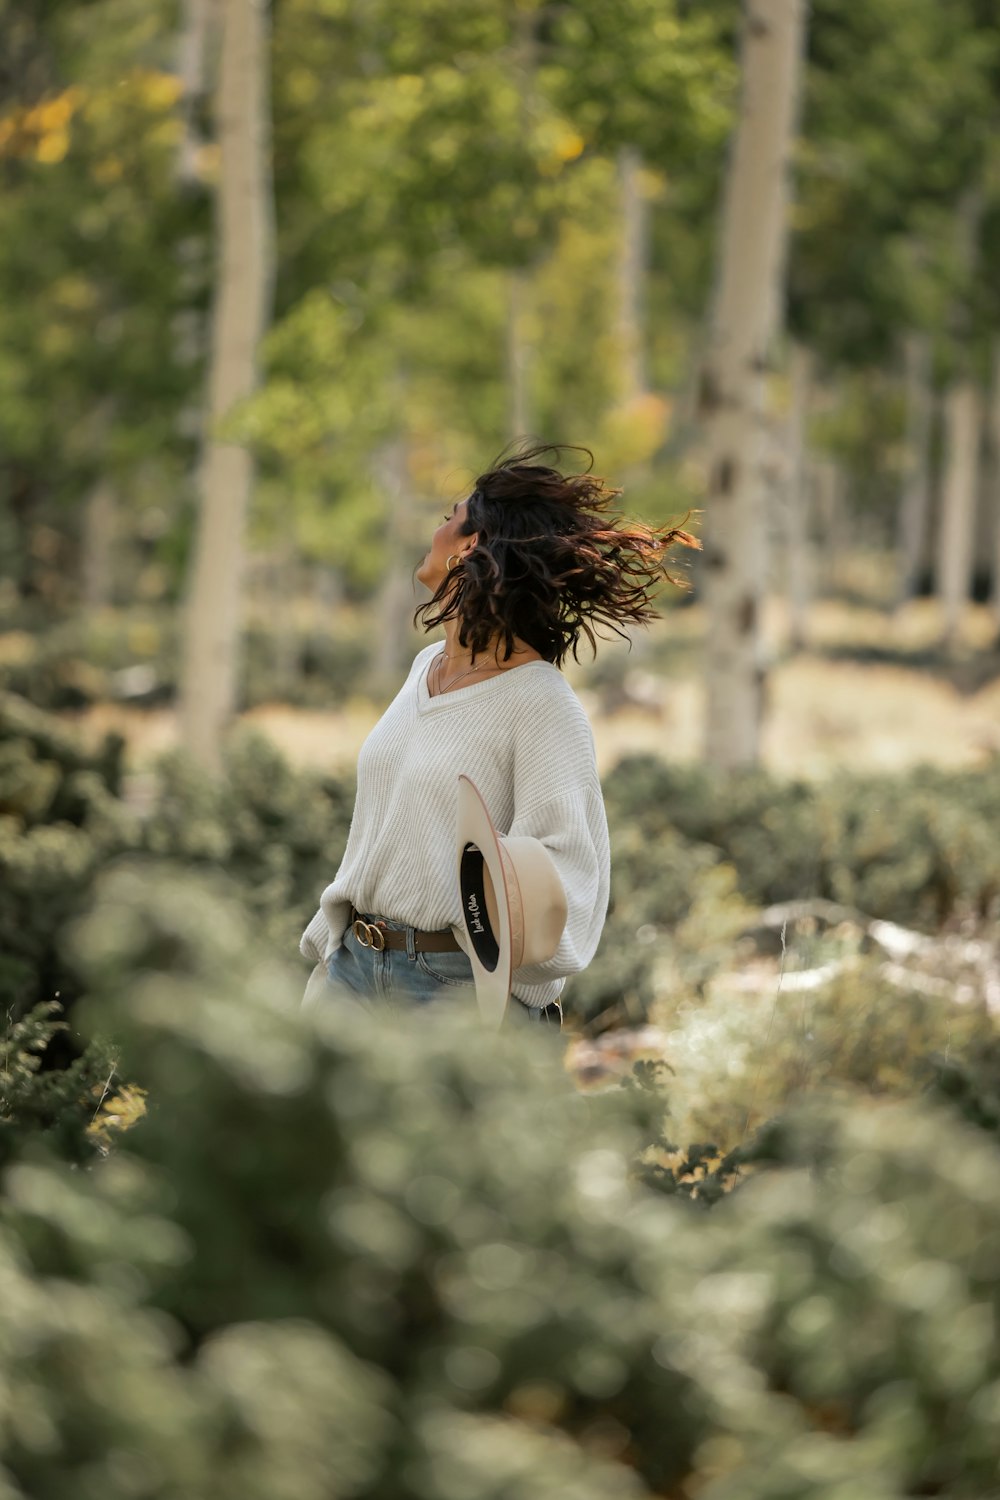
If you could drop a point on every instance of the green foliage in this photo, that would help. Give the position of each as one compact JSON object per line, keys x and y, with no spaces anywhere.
{"x":43,"y":765}
{"x":970,"y":1082}
{"x":891,"y":172}
{"x":62,"y":820}
{"x":132,"y":656}
{"x":421,"y":154}
{"x":58,"y":1107}
{"x":92,"y":373}
{"x":417,"y":1193}
{"x":408,"y":1261}
{"x":270,"y":828}
{"x":914,"y":849}
{"x":739,"y":1057}
{"x":866,"y":1268}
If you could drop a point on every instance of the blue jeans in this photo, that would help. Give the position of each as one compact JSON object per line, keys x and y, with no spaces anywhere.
{"x":379,"y":978}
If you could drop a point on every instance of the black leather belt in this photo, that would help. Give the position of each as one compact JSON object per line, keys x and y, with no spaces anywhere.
{"x":372,"y":932}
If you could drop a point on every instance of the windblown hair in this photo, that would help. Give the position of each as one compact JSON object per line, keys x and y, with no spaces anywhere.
{"x":549,"y":561}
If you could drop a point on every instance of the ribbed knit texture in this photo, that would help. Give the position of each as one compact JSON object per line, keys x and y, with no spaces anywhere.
{"x":525,"y":740}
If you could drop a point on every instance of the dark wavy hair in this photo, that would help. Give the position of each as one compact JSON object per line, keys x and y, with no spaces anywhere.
{"x":549,"y":560}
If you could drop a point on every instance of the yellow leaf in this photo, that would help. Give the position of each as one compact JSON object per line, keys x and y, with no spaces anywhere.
{"x":108,"y":170}
{"x":569,"y":145}
{"x":53,"y":146}
{"x":159,"y":90}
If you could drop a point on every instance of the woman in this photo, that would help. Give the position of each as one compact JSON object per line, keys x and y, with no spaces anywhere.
{"x":517,"y":571}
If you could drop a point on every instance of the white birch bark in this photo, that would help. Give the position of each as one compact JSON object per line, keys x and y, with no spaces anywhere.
{"x":746,"y":314}
{"x":242,"y":304}
{"x":100,"y":515}
{"x":632,"y":266}
{"x":197,"y":17}
{"x":915,"y":500}
{"x":327,"y":596}
{"x":829,"y":484}
{"x":396,"y":601}
{"x":100,"y":518}
{"x":284,"y":588}
{"x":962,"y":430}
{"x":993,"y":481}
{"x":798,"y":555}
{"x":772,"y":474}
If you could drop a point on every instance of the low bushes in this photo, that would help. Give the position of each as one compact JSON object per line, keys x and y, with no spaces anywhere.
{"x":695,"y":858}
{"x":918,"y":848}
{"x":133,"y":656}
{"x":339,"y":1257}
{"x":331,"y":1256}
{"x":62,"y":819}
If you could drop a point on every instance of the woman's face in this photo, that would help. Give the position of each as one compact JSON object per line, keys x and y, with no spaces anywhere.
{"x":446,"y":540}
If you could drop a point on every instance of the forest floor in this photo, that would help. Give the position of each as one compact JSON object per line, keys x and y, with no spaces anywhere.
{"x":870,"y":691}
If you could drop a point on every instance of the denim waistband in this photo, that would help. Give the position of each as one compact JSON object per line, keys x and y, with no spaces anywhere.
{"x":551,"y":1013}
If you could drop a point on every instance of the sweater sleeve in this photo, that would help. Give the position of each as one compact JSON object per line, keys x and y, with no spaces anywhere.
{"x":573,"y":828}
{"x":312,"y":944}
{"x":558,"y":800}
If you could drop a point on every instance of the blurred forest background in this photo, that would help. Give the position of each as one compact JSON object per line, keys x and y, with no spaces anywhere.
{"x":276,"y":282}
{"x":262,"y":323}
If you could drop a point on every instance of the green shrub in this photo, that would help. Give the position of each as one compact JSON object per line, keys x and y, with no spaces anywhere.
{"x":739,"y":1057}
{"x":62,"y":820}
{"x":695,"y":855}
{"x":916,"y":849}
{"x":427,"y":1199}
{"x":278,"y":833}
{"x":407,"y":1261}
{"x":133,"y":656}
{"x":865,"y":1270}
{"x":970,"y":1083}
{"x":61,"y":817}
{"x":64,"y":1107}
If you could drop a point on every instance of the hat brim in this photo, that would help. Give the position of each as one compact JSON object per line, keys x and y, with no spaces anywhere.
{"x":479,"y":861}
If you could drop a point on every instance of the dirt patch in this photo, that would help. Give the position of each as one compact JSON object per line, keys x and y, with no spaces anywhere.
{"x":822,"y":716}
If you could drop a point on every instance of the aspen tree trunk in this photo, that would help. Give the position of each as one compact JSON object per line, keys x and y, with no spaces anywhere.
{"x":746,"y":315}
{"x":396,"y":602}
{"x":632,"y":266}
{"x":242,"y":304}
{"x":283,"y":586}
{"x":100,"y":518}
{"x":197,"y":17}
{"x":962,"y":429}
{"x":915,"y":501}
{"x":993,"y":482}
{"x":198,"y":26}
{"x":830,"y":488}
{"x":772,"y":471}
{"x":982,"y":535}
{"x":327,"y":595}
{"x":798,"y":556}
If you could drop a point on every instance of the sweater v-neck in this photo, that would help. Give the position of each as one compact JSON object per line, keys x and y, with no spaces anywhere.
{"x":427,"y":701}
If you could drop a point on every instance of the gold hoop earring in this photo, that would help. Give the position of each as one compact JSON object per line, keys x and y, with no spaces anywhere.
{"x":456,"y":555}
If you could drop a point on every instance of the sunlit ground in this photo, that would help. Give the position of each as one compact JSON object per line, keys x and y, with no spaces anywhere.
{"x":872,"y":691}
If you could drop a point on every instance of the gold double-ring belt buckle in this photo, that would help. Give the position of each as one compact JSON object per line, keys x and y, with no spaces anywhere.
{"x":368,"y":935}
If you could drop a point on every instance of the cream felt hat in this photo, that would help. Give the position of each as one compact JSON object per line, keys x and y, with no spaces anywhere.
{"x":513,"y":901}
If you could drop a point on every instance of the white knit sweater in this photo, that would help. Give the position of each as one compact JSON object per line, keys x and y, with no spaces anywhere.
{"x":525,"y":740}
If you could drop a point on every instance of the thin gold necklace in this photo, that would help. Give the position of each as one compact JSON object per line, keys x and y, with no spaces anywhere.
{"x":485,"y":667}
